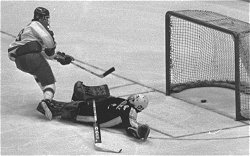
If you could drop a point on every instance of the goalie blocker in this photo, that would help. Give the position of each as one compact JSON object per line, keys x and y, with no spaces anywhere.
{"x":111,"y":111}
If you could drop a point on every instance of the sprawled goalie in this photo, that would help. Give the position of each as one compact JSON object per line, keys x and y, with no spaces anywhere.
{"x":112,"y":111}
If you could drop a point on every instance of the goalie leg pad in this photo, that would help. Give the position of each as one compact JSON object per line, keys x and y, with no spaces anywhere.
{"x":70,"y":110}
{"x":84,"y":93}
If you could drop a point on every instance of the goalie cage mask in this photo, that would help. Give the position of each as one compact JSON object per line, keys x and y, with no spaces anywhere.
{"x":139,"y":101}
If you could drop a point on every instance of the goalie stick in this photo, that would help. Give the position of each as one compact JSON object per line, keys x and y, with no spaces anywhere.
{"x":97,"y":135}
{"x":98,"y":75}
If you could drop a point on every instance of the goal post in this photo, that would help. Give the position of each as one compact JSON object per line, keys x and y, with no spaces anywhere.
{"x":207,"y":49}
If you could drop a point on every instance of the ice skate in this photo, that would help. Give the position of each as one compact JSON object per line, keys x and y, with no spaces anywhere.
{"x":44,"y":108}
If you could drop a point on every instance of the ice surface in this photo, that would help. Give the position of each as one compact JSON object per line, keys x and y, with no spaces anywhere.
{"x":130,"y":37}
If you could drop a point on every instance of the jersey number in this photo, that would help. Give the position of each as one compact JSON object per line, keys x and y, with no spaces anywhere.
{"x":18,"y":38}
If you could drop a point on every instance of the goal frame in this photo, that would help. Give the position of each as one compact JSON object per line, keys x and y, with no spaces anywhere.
{"x":235,"y":36}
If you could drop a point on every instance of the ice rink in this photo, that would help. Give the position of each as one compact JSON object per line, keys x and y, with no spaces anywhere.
{"x":129,"y":35}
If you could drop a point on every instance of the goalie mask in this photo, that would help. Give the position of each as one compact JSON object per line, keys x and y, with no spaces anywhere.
{"x":139,"y":101}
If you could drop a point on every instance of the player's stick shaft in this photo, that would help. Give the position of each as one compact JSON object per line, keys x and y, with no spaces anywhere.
{"x":98,"y":75}
{"x":79,"y":61}
{"x":91,"y":72}
{"x":106,"y":73}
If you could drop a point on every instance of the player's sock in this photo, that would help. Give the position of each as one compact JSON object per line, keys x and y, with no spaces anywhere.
{"x":45,"y":105}
{"x":48,"y":93}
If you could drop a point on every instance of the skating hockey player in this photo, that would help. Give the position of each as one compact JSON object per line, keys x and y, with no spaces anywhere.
{"x":111,"y":111}
{"x":33,"y":45}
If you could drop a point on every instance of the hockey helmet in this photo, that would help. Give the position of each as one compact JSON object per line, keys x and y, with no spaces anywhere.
{"x":41,"y":13}
{"x":139,"y":101}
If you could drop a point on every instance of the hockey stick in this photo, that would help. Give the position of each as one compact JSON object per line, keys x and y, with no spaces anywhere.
{"x":102,"y":75}
{"x":97,"y":135}
{"x":98,"y":75}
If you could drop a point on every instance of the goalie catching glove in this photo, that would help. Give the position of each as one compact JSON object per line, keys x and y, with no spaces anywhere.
{"x":63,"y":58}
{"x":141,"y":132}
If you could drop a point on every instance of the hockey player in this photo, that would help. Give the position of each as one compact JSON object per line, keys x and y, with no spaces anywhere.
{"x":111,"y":111}
{"x":33,"y":45}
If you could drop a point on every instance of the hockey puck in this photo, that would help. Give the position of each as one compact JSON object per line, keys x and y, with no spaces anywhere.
{"x":203,"y":101}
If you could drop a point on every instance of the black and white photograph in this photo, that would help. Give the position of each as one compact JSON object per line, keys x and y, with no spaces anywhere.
{"x":99,"y":77}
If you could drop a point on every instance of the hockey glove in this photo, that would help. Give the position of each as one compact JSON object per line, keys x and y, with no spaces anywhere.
{"x":49,"y":51}
{"x":63,"y":58}
{"x":141,"y":132}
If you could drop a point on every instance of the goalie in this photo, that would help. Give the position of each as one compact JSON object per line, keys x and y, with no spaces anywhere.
{"x":111,"y":111}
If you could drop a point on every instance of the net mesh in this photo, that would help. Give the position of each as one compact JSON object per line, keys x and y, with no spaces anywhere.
{"x":201,"y":57}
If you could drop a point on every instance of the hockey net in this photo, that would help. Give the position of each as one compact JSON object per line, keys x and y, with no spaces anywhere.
{"x":206,"y":49}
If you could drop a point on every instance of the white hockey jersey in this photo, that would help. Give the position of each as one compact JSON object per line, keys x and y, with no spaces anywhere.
{"x":35,"y":31}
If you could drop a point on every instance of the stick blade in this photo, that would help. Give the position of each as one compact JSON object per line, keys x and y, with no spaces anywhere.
{"x":105,"y":148}
{"x":108,"y":71}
